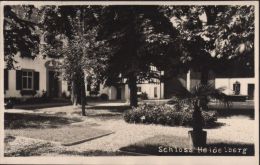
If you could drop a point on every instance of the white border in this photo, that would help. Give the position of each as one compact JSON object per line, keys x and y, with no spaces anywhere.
{"x":200,"y":160}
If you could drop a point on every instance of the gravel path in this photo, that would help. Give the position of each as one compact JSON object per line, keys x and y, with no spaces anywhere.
{"x":236,"y":129}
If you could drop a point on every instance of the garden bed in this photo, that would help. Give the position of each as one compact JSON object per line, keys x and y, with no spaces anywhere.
{"x":167,"y":115}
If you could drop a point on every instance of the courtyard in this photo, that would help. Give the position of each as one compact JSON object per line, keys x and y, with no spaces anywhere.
{"x":62,"y":130}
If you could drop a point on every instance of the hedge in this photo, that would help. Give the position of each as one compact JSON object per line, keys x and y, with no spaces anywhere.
{"x":167,"y":115}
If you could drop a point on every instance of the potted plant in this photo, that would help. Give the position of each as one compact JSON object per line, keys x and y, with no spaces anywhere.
{"x":199,"y":96}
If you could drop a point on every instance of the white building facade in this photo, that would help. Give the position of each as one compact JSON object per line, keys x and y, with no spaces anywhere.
{"x":237,"y":86}
{"x":36,"y":77}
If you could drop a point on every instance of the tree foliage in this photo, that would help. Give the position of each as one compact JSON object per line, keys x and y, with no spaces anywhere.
{"x":220,"y":36}
{"x":71,"y":34}
{"x":21,"y":35}
{"x":117,"y":43}
{"x":140,"y":36}
{"x":73,"y":37}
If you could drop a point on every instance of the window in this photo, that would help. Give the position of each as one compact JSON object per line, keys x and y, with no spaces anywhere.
{"x":236,"y":88}
{"x":27,"y":80}
{"x":6,"y":79}
{"x":155,"y":92}
{"x":139,"y":89}
{"x":153,"y":68}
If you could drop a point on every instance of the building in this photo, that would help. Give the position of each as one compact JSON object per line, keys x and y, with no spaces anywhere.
{"x":36,"y":77}
{"x":184,"y":81}
{"x":235,"y":84}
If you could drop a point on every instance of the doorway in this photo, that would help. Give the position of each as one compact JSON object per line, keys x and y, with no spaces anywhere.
{"x":53,"y":84}
{"x":250,"y":91}
{"x":118,"y":93}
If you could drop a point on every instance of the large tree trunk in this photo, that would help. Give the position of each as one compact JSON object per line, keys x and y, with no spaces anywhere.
{"x":133,"y":90}
{"x":204,"y":76}
{"x":83,"y":95}
{"x":76,"y":90}
{"x":74,"y":96}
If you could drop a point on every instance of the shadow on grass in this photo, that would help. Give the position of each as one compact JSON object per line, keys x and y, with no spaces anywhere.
{"x":214,"y":125}
{"x":18,"y":121}
{"x":120,"y":108}
{"x":9,"y":139}
{"x":33,"y":150}
{"x":106,"y":116}
{"x":162,"y":145}
{"x":93,"y":153}
{"x":236,"y":112}
{"x":41,"y":106}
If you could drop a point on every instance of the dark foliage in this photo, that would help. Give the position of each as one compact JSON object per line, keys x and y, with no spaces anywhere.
{"x":104,"y":96}
{"x":167,"y":115}
{"x":20,"y":34}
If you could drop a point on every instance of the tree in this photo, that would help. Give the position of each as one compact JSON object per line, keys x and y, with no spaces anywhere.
{"x":139,"y":36}
{"x":215,"y":37}
{"x":20,"y":34}
{"x":71,"y":33}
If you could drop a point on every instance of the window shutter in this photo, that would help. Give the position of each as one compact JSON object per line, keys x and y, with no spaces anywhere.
{"x":36,"y":82}
{"x":6,"y":79}
{"x":18,"y":79}
{"x":69,"y":86}
{"x":88,"y":87}
{"x":98,"y":87}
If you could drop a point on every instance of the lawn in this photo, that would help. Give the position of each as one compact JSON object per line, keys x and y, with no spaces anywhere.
{"x":19,"y":120}
{"x":66,"y":135}
{"x":43,"y":133}
{"x":65,"y":130}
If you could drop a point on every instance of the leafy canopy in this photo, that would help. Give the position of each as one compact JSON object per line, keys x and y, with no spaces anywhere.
{"x":216,"y":37}
{"x":21,"y":35}
{"x":139,"y":36}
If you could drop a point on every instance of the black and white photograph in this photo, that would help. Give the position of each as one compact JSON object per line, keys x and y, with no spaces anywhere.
{"x":130,"y":80}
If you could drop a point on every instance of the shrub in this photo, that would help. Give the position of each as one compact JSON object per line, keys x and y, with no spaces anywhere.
{"x":166,"y":115}
{"x":210,"y":117}
{"x":143,"y":96}
{"x":63,"y":95}
{"x":9,"y":104}
{"x":104,"y":96}
{"x":93,"y":93}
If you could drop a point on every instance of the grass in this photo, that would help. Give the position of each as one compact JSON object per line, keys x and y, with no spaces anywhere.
{"x":57,"y":128}
{"x":34,"y":150}
{"x":162,"y":145}
{"x":19,"y":121}
{"x":31,"y":149}
{"x":64,"y":135}
{"x":51,"y":128}
{"x":93,"y":153}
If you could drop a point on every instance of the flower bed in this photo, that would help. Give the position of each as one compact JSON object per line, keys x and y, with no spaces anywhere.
{"x":172,"y":115}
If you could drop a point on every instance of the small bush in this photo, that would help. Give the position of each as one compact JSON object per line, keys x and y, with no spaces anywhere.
{"x":166,"y":115}
{"x":210,"y":117}
{"x":104,"y":96}
{"x":9,"y":104}
{"x":143,"y":96}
